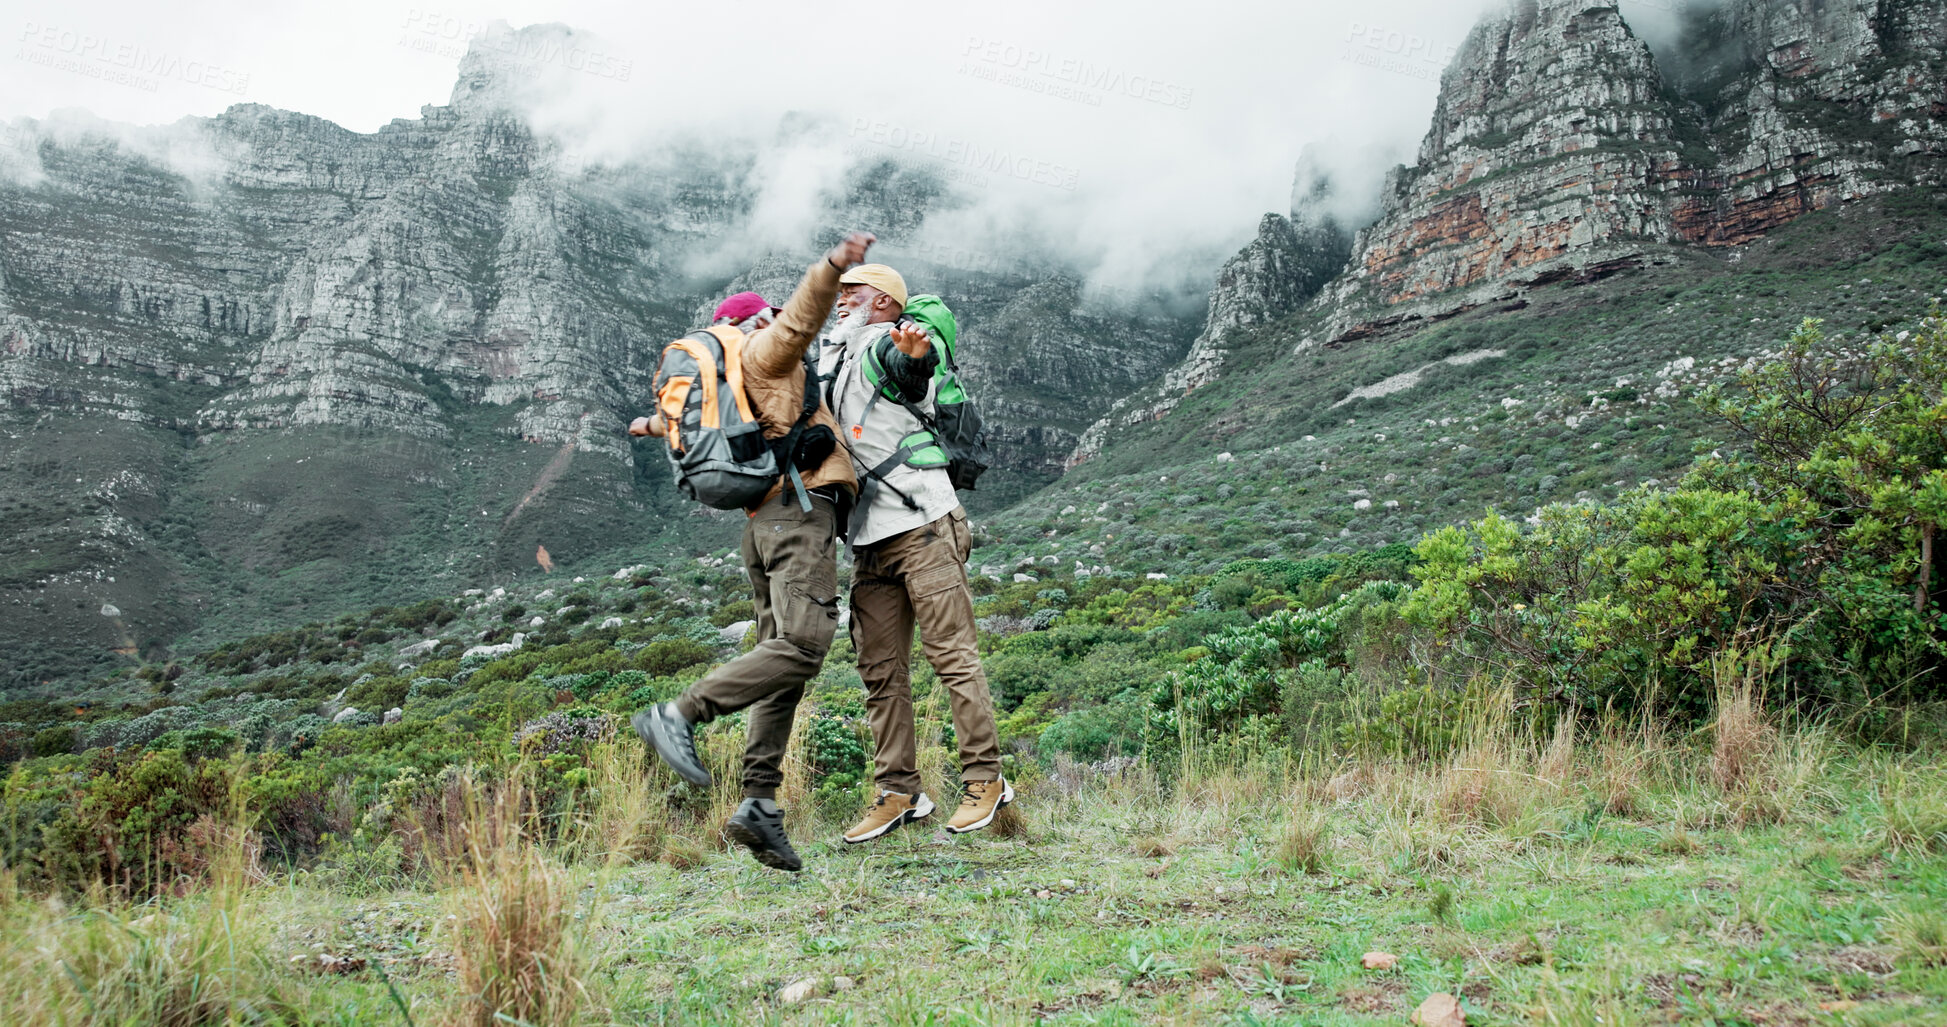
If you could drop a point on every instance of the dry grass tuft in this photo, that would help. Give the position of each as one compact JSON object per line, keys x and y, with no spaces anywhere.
{"x":1679,"y":842}
{"x":1742,"y":737}
{"x":681,"y":852}
{"x":1009,"y":822}
{"x":175,"y":962}
{"x":1306,"y":846}
{"x":1921,"y":936}
{"x":622,"y":817}
{"x":1912,"y":813}
{"x":515,"y":951}
{"x":1151,"y":846}
{"x":1558,"y":760}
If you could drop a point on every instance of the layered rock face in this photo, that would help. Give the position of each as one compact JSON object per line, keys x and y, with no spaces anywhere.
{"x":259,"y":366}
{"x":1561,"y":146}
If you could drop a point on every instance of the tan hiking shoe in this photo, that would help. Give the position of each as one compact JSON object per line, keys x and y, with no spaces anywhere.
{"x":890,"y":810}
{"x":979,"y":801}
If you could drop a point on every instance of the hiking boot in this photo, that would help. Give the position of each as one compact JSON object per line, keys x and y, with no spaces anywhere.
{"x":674,"y":740}
{"x":890,"y":810}
{"x":762,"y":832}
{"x":979,"y":801}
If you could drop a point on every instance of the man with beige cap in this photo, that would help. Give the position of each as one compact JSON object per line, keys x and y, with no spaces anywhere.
{"x":910,"y":542}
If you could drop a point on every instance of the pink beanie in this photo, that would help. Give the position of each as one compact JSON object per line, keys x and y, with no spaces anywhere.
{"x":741,"y":306}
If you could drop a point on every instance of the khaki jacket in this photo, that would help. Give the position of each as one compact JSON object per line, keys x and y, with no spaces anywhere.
{"x":773,"y":360}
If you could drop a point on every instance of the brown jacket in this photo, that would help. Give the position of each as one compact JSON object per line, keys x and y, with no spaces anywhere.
{"x":774,"y":372}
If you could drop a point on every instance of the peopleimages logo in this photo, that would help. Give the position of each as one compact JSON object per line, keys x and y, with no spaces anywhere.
{"x":449,"y":35}
{"x":952,"y":152}
{"x":1040,"y":71}
{"x":120,"y":61}
{"x":1400,"y":52}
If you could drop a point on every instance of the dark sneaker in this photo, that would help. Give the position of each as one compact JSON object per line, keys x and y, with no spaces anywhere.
{"x":763,"y":834}
{"x":673,"y":739}
{"x":892,"y":809}
{"x":979,"y":801}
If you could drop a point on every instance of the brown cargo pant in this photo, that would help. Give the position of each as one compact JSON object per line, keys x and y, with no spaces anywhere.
{"x":792,"y":559}
{"x":920,"y":577}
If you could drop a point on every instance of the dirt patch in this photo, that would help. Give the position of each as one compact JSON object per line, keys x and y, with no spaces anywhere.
{"x":1379,"y":997}
{"x":1050,"y":1010}
{"x":1859,"y":959}
{"x":1407,"y":379}
{"x":1663,"y":988}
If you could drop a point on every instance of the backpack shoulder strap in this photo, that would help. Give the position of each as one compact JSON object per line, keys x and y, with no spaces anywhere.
{"x":732,"y":340}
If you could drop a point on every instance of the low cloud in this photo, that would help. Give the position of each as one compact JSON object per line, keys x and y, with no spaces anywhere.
{"x":1133,"y":148}
{"x":1138,"y":152}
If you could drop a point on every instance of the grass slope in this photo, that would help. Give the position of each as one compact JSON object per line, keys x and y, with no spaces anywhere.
{"x":1570,"y":409}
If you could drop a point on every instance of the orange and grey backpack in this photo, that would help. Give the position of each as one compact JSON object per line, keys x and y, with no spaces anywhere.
{"x":717,"y":447}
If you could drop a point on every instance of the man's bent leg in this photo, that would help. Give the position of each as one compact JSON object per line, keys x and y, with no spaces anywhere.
{"x":795,"y":580}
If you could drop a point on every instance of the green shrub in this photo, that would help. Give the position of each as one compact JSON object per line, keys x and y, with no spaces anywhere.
{"x":380,"y":693}
{"x":54,"y":741}
{"x":732,"y":612}
{"x":1816,"y":536}
{"x":1096,"y":732}
{"x":666,"y":657}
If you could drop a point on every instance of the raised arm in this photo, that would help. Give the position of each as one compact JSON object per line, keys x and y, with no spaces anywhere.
{"x":910,"y":358}
{"x":774,"y":351}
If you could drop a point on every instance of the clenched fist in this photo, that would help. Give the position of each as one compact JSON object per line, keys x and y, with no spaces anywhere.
{"x":851,"y":252}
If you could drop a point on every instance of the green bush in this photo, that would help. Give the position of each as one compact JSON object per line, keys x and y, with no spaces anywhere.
{"x":666,"y":657}
{"x":53,"y":741}
{"x":1096,"y":732}
{"x":1814,"y":538}
{"x":380,"y":693}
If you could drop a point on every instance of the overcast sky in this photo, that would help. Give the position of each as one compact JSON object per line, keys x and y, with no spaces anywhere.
{"x":1174,"y":127}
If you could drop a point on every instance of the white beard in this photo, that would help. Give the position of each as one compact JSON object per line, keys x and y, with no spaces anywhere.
{"x":849,"y":324}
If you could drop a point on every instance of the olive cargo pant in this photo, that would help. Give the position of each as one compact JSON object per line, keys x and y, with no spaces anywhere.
{"x":919,"y":578}
{"x":792,"y":560}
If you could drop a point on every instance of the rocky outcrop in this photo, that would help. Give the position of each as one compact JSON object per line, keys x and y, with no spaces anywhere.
{"x":1553,"y":147}
{"x":1809,"y":104}
{"x":1560,"y":146}
{"x":1274,"y":275}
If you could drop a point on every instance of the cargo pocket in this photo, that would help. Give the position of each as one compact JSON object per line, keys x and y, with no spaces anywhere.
{"x":962,"y":533}
{"x":933,"y":581}
{"x":809,"y":622}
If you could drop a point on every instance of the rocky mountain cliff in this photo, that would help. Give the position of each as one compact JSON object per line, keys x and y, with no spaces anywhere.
{"x":257,"y":366}
{"x":1562,"y":148}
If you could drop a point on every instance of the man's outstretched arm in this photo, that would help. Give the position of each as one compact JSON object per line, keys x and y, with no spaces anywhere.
{"x":775,"y":350}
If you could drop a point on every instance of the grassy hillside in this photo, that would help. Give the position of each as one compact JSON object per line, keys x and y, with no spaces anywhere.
{"x":1575,"y":390}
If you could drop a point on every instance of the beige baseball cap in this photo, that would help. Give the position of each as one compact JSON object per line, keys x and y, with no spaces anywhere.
{"x":879,"y":277}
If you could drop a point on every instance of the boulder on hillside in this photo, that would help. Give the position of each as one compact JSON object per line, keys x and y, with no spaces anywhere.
{"x":419,"y":649}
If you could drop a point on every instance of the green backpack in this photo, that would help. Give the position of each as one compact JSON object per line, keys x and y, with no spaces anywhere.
{"x":956,"y":434}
